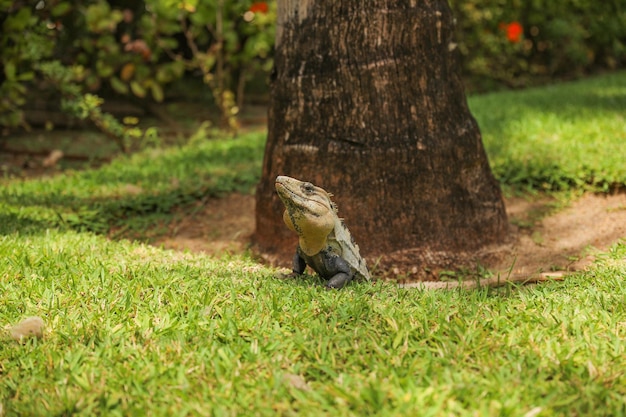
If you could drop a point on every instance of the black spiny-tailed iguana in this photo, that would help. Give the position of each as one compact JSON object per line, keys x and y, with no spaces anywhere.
{"x":325,"y":244}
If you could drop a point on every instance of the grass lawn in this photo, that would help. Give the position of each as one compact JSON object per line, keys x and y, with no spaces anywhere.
{"x":137,"y":330}
{"x":557,"y":137}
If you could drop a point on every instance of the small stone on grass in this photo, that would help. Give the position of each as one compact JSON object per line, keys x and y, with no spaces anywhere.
{"x":28,"y":328}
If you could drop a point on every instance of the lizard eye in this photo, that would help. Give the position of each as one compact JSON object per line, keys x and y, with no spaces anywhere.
{"x":308,"y":188}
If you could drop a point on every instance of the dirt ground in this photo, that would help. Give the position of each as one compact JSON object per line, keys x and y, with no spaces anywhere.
{"x":567,"y":239}
{"x":543,"y":238}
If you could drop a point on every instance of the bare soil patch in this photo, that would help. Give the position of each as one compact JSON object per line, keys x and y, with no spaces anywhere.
{"x":220,"y":225}
{"x":568,"y":239}
{"x":542,"y":239}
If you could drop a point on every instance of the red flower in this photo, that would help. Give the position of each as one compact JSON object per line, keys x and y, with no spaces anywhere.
{"x":513,"y":30}
{"x":259,"y":7}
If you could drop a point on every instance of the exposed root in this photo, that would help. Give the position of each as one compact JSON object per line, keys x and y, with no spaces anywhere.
{"x":487,"y":282}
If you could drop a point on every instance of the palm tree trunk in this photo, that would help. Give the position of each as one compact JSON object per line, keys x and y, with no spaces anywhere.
{"x":367,"y":103}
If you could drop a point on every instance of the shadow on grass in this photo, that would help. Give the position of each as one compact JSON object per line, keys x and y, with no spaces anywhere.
{"x":129,"y":192}
{"x":100,"y":215}
{"x":14,"y":223}
{"x":598,"y":95}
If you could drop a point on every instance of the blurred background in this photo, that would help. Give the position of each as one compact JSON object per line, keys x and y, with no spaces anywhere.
{"x":92,"y":79}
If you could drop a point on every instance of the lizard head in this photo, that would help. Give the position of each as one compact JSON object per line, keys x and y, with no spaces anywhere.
{"x":309,"y":212}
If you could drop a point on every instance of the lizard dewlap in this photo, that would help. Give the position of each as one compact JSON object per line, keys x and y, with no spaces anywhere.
{"x":325,"y":244}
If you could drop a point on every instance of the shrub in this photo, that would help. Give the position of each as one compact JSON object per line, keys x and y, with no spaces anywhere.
{"x":136,"y":48}
{"x":517,"y":43}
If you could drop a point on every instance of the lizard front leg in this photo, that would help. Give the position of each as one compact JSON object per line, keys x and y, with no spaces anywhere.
{"x":343,"y":274}
{"x":298,"y":265}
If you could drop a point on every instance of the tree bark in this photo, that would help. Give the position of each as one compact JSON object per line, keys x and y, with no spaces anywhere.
{"x":367,"y":102}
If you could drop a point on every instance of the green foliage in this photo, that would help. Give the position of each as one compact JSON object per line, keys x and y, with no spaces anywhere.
{"x":140,"y":48}
{"x":87,"y":106}
{"x":22,"y":43}
{"x":137,"y":49}
{"x":228,"y":42}
{"x":27,"y":53}
{"x":559,"y":39}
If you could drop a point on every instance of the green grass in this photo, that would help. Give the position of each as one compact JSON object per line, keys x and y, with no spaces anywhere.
{"x":135,"y":191}
{"x":134,"y":330}
{"x":560,"y":137}
{"x":563,"y":137}
{"x":137,"y":330}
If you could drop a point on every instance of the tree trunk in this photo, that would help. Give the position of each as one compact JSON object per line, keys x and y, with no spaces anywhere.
{"x":367,"y":103}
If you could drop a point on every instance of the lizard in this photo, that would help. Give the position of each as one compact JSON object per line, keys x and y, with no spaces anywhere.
{"x":326,"y":245}
{"x":324,"y":242}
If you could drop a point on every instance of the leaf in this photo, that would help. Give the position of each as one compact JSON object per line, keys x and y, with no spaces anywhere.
{"x":127,"y":72}
{"x":19,"y":21}
{"x":398,"y":339}
{"x":118,"y":85}
{"x":26,"y":76}
{"x":137,"y":89}
{"x":81,"y":381}
{"x":206,"y":61}
{"x":103,"y":69}
{"x":157,"y":92}
{"x":61,"y":9}
{"x":9,"y":70}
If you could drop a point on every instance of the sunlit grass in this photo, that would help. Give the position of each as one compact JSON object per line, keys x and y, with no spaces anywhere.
{"x":565,"y":136}
{"x":134,"y":330}
{"x":137,"y":330}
